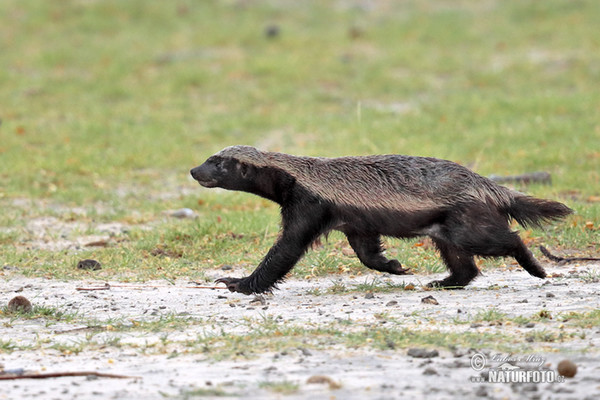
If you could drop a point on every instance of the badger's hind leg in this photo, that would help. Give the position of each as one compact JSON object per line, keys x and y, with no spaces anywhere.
{"x":524,"y":257}
{"x":370,"y":252}
{"x":460,"y":263}
{"x":479,"y":230}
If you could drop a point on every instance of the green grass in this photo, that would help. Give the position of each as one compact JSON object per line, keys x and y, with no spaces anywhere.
{"x":270,"y":333}
{"x":281,"y":387}
{"x":106,"y":105}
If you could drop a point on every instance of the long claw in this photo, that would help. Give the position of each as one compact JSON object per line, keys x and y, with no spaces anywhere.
{"x":231,"y":283}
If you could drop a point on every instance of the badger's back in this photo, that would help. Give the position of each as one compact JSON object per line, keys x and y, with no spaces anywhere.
{"x":393,"y":182}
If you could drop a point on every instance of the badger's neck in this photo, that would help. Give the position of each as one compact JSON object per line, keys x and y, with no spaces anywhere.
{"x":273,"y":184}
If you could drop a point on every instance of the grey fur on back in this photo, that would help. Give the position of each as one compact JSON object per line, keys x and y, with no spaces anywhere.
{"x":393,"y":182}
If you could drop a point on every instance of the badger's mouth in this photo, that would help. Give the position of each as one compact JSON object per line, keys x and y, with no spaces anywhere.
{"x":208,"y":183}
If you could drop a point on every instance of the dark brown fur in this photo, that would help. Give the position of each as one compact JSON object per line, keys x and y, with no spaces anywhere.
{"x":368,"y":197}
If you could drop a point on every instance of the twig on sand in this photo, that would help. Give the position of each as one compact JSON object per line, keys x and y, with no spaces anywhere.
{"x":109,"y":286}
{"x":45,"y":375}
{"x":564,"y":260}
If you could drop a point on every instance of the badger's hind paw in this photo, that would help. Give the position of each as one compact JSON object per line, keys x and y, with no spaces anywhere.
{"x":446,"y":284}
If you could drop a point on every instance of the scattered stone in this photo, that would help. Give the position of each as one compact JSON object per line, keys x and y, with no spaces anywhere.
{"x":321,"y":379}
{"x":476,"y":325}
{"x":369,"y":295}
{"x":530,"y":325}
{"x":523,"y":301}
{"x":272,"y":31}
{"x":417,"y":352}
{"x":430,"y":371}
{"x":89,"y":264}
{"x":182,"y":213}
{"x":429,"y":300}
{"x":305,"y":351}
{"x":19,"y":304}
{"x":532,"y":387}
{"x":481,"y":392}
{"x":258,"y":300}
{"x":562,"y":389}
{"x":550,"y":295}
{"x":544,"y":314}
{"x":226,"y":267}
{"x":567,"y":368}
{"x":355,"y":32}
{"x":391,"y":303}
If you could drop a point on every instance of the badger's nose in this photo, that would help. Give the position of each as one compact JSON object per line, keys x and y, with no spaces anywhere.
{"x":204,"y":174}
{"x":194,"y":172}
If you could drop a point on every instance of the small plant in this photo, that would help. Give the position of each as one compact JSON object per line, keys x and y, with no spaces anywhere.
{"x":492,"y":315}
{"x":282,"y":387}
{"x":6,"y":346}
{"x":204,"y":392}
{"x":337,"y":288}
{"x":542,"y":336}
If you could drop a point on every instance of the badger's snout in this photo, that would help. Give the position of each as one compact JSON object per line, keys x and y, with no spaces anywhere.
{"x":205,"y":175}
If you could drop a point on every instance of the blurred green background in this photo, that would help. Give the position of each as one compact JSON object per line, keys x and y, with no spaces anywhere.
{"x":106,"y":105}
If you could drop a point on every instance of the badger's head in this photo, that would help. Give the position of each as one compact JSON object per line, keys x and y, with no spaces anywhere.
{"x":232,"y":168}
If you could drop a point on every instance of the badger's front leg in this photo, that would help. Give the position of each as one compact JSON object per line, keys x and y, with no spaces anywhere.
{"x":300,"y":229}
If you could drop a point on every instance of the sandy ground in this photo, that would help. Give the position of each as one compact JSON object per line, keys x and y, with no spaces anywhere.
{"x":351,"y":373}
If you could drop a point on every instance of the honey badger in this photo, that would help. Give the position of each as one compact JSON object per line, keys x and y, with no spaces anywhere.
{"x":369,"y":197}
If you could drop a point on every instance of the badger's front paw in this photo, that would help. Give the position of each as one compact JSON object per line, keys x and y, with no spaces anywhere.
{"x":238,"y":285}
{"x":394,"y":267}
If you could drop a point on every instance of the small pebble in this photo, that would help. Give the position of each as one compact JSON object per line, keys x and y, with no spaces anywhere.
{"x":316,"y":379}
{"x":481,"y":392}
{"x":19,"y":304}
{"x":182,"y":213}
{"x":89,"y":264}
{"x":258,"y":301}
{"x":429,"y":300}
{"x":417,"y":352}
{"x":272,"y":31}
{"x":567,"y":368}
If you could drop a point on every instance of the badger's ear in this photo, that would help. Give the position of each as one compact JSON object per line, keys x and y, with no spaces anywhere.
{"x":243,"y":170}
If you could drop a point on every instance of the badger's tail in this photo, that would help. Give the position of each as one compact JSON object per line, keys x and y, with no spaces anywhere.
{"x":531,"y":211}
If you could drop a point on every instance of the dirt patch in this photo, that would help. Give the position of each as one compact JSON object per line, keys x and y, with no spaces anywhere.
{"x":178,"y":339}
